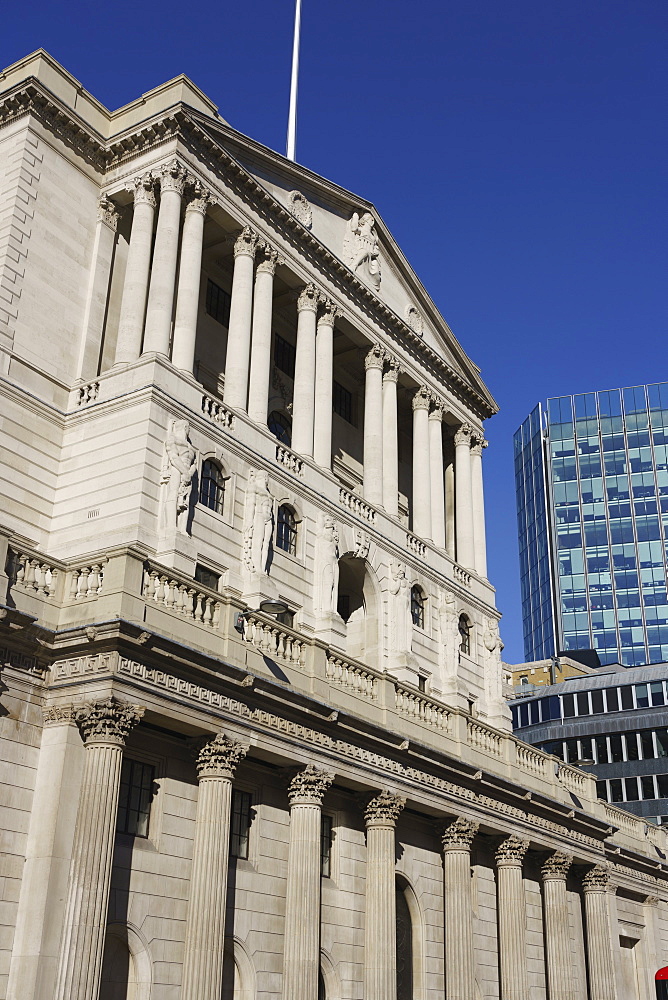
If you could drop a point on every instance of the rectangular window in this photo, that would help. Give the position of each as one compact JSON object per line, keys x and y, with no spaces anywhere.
{"x":642,"y":697}
{"x":342,"y":402}
{"x":612,"y":699}
{"x":583,"y":702}
{"x":601,"y":743}
{"x":662,"y":785}
{"x":627,"y":697}
{"x":218,"y":303}
{"x":656,"y":692}
{"x":647,"y":785}
{"x":326,"y":846}
{"x":616,"y":748}
{"x":134,"y":799}
{"x":241,"y":821}
{"x":616,"y":790}
{"x":662,"y":742}
{"x":207,"y":577}
{"x":284,"y":355}
{"x":647,"y":744}
{"x":602,"y":790}
{"x":572,"y":751}
{"x":631,"y":789}
{"x":567,"y":703}
{"x":597,"y":702}
{"x":632,"y":746}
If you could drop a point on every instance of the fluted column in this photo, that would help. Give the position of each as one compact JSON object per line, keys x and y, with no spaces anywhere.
{"x":98,"y":289}
{"x":380,"y":924}
{"x":421,"y":465}
{"x":324,"y":376}
{"x":303,"y":400}
{"x":205,"y":926}
{"x":463,"y":498}
{"x":390,"y":440}
{"x":104,"y":726}
{"x":600,"y":958}
{"x":165,"y":253}
{"x":260,"y":357}
{"x":478,"y":505}
{"x":190,"y":271}
{"x":450,"y":535}
{"x":459,"y":962}
{"x":237,"y":358}
{"x":373,"y":426}
{"x":555,"y":909}
{"x":512,"y":919}
{"x":301,"y":962}
{"x":135,"y":286}
{"x":437,"y":480}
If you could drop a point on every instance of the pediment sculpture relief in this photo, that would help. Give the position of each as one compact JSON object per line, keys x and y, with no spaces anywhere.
{"x":360,"y":248}
{"x":299,"y":207}
{"x":414,"y":319}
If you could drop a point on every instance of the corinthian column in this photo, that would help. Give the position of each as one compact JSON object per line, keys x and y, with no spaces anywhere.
{"x":190,"y":270}
{"x":512,"y":919}
{"x":437,"y":479}
{"x":165,"y":253}
{"x":239,"y":330}
{"x":390,"y":440}
{"x":373,"y":427}
{"x":463,"y":498}
{"x":303,"y":400}
{"x":205,"y":927}
{"x":301,"y":962}
{"x":380,"y":925}
{"x":104,"y":726}
{"x":557,"y":945}
{"x":421,"y":465}
{"x":324,"y":375}
{"x":600,"y":957}
{"x":98,"y":288}
{"x":459,"y":963}
{"x":260,"y":359}
{"x":478,"y":505}
{"x":135,"y":287}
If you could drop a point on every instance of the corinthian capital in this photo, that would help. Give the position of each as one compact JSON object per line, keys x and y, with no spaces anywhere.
{"x":511,"y":851}
{"x":199,"y":198}
{"x":107,"y":721}
{"x":437,"y":409}
{"x":107,"y":212}
{"x":597,"y":879}
{"x":219,"y":757}
{"x":246,"y":242}
{"x":58,"y":715}
{"x":309,"y":786}
{"x":422,"y":399}
{"x":384,"y":809}
{"x":391,"y":374}
{"x":329,"y":312}
{"x":144,"y":190}
{"x":463,"y":435}
{"x":375,"y":358}
{"x":172,"y":177}
{"x":477,"y":444}
{"x":556,"y":866}
{"x":308,"y":299}
{"x":458,"y":835}
{"x":271,"y":260}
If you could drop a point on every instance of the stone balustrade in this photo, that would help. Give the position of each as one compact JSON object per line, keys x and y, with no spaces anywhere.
{"x":351,"y":675}
{"x":356,"y":505}
{"x":181,"y":596}
{"x":275,"y":640}
{"x":87,"y":393}
{"x":214,"y":410}
{"x":31,"y":572}
{"x":574,"y":779}
{"x":293,"y":463}
{"x":531,"y":760}
{"x":461,"y":576}
{"x":418,"y":706}
{"x":483,"y":738}
{"x":85,"y":581}
{"x":624,"y":820}
{"x":416,"y":545}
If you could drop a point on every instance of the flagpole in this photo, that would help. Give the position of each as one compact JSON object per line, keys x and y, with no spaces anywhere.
{"x":292,"y":117}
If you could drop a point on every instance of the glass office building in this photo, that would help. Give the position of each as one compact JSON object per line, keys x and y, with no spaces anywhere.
{"x":591,"y":475}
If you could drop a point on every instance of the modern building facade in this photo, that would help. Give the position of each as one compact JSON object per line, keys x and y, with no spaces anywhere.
{"x":616,"y":719}
{"x":253,"y":739}
{"x":591,"y":475}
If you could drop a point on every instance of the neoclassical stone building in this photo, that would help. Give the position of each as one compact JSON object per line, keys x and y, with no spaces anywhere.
{"x":254,"y":743}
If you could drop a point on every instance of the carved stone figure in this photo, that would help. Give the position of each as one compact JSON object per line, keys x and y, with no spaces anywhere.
{"x":178,"y":468}
{"x":328,"y":565}
{"x":300,"y":208}
{"x":448,"y":622}
{"x":259,"y":522}
{"x":362,"y":544}
{"x":401,"y":624}
{"x":360,"y":248}
{"x":493,"y":671}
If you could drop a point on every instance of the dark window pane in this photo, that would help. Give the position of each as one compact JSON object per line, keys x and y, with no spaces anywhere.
{"x":631,"y":788}
{"x":567,"y":702}
{"x":597,"y":702}
{"x":656,"y":693}
{"x":583,"y":702}
{"x":647,"y":785}
{"x":417,"y":606}
{"x":616,"y":790}
{"x":326,"y":846}
{"x":206,"y":577}
{"x":240,"y":826}
{"x":602,"y":790}
{"x":212,"y":486}
{"x":286,"y":530}
{"x":632,"y":746}
{"x":616,"y":748}
{"x":662,"y":782}
{"x":284,"y":355}
{"x":342,"y":402}
{"x":647,"y":744}
{"x":280,"y":426}
{"x":627,"y":697}
{"x":642,"y":696}
{"x":524,"y":715}
{"x":662,"y":742}
{"x":601,"y":744}
{"x":218,"y":303}
{"x":572,"y":751}
{"x":134,"y":800}
{"x":612,"y":696}
{"x":465,"y":635}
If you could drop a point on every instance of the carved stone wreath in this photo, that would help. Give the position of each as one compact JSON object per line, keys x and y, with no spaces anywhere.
{"x":300,"y":208}
{"x":414,"y":319}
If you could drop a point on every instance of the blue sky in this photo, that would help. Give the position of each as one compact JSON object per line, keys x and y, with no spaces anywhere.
{"x":516,"y":150}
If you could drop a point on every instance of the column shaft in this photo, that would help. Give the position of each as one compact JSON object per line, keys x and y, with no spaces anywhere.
{"x":373,"y":427}
{"x":135,"y":287}
{"x":557,"y":944}
{"x":437,"y":480}
{"x":390,"y":442}
{"x":459,"y":961}
{"x":380,"y":922}
{"x":478,"y":507}
{"x":324,"y":385}
{"x":237,"y":358}
{"x":260,"y":358}
{"x":190,"y":271}
{"x":163,"y":269}
{"x":98,"y":289}
{"x":303,"y":403}
{"x":450,"y":535}
{"x":600,"y":958}
{"x":463,"y":498}
{"x":512,"y":919}
{"x":421,"y":466}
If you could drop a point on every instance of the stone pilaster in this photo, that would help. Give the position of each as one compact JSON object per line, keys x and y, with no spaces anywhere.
{"x":555,"y":909}
{"x":478,"y":505}
{"x":104,"y":726}
{"x":380,"y":927}
{"x":165,"y":253}
{"x":373,"y":426}
{"x":301,"y":962}
{"x":464,"y":498}
{"x":190,"y":272}
{"x":324,"y":375}
{"x":205,"y":927}
{"x":135,"y":287}
{"x":421,"y":465}
{"x":459,"y":962}
{"x":260,"y":358}
{"x":600,"y":958}
{"x":390,"y":440}
{"x":237,"y":358}
{"x":98,"y":288}
{"x":437,"y":480}
{"x":512,"y":919}
{"x":303,"y":400}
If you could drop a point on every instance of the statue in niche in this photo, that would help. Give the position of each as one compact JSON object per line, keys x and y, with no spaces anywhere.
{"x":448,"y":627}
{"x":401,"y":623}
{"x":360,"y":248}
{"x":178,"y":468}
{"x":259,"y":522}
{"x":493,"y":669}
{"x":327,"y":564}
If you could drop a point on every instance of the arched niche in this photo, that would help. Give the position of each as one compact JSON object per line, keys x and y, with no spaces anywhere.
{"x":238,"y":972}
{"x":329,"y":987}
{"x":126,"y":965}
{"x":359,"y":606}
{"x":410,"y":942}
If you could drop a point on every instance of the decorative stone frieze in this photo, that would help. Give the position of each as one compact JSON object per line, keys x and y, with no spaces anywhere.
{"x":59,"y":715}
{"x":220,"y":757}
{"x":309,"y":786}
{"x":107,"y":212}
{"x":459,"y":835}
{"x":107,"y":721}
{"x":246,"y":243}
{"x":384,"y":809}
{"x":511,"y":851}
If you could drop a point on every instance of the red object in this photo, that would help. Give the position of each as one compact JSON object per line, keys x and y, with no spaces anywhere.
{"x":662,"y":973}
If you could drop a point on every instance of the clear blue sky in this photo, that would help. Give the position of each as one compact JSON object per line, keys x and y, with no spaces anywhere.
{"x":516,"y":150}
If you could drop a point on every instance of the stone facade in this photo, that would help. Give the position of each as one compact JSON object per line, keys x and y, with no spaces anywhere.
{"x":223,"y":386}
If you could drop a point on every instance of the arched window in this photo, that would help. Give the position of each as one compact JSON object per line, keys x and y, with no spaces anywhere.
{"x":286,"y":530}
{"x":464,"y":635}
{"x":212,"y":486}
{"x":280,"y":426}
{"x":418,"y":601}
